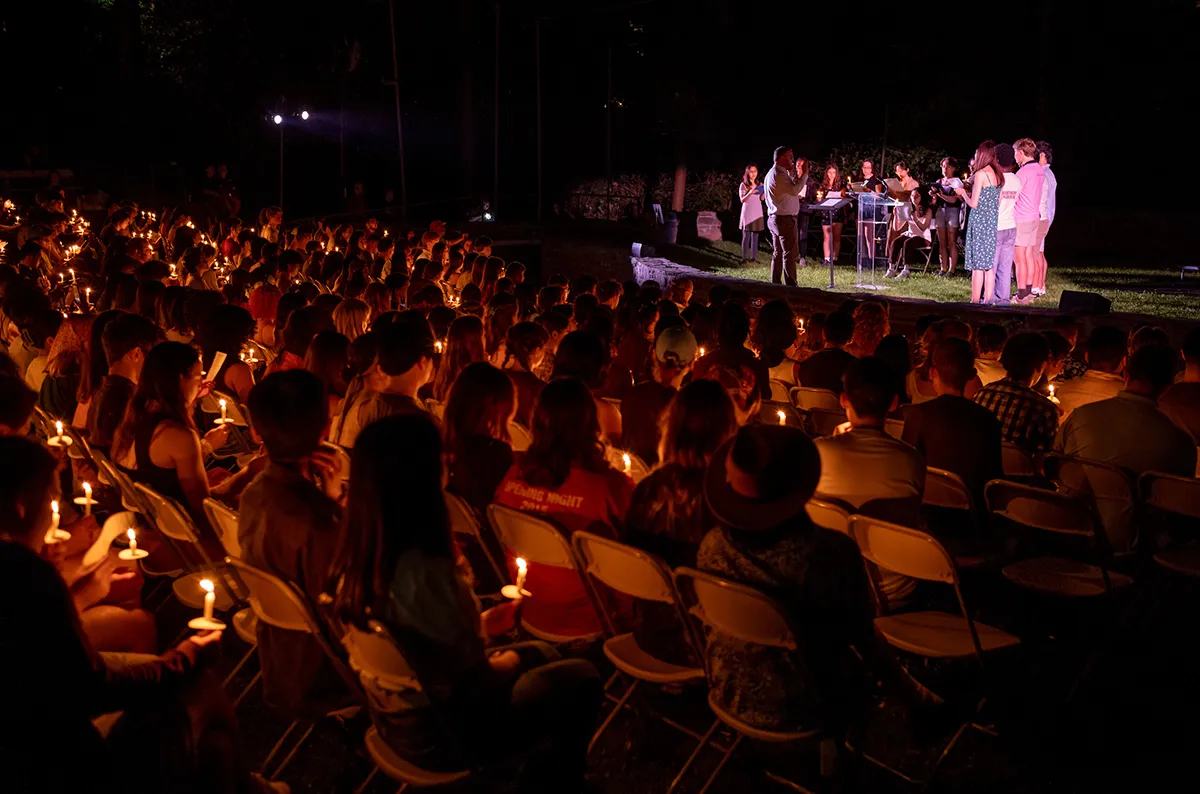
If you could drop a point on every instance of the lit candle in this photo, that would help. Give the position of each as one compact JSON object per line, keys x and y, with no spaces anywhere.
{"x":173,"y":271}
{"x":224,"y":417}
{"x":72,"y":272}
{"x":87,"y":499}
{"x":87,"y":295}
{"x":54,"y":517}
{"x":61,"y":278}
{"x":522,"y":570}
{"x":627,"y":461}
{"x":210,"y":598}
{"x":438,"y":346}
{"x":58,"y":428}
{"x":701,"y":352}
{"x":132,"y":540}
{"x":782,"y":417}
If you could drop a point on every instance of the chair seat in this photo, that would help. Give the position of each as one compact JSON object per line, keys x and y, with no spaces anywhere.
{"x":558,"y":639}
{"x":750,"y":731}
{"x":940,"y":634}
{"x":1185,"y":560}
{"x":188,"y":591}
{"x":245,"y":623}
{"x":1059,"y":576}
{"x":624,"y":652}
{"x":404,"y":771}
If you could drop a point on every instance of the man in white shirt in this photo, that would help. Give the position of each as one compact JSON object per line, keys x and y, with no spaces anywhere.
{"x":1128,"y":431}
{"x":1045,"y":154}
{"x":1006,"y":228}
{"x":1105,"y":354}
{"x":783,"y":189}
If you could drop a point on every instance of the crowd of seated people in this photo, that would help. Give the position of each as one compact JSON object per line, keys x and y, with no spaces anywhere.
{"x":378,"y":372}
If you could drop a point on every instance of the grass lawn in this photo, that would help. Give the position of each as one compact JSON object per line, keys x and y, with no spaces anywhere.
{"x":1125,"y":286}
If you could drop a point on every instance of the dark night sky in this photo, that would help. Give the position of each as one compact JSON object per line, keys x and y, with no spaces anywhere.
{"x":118,"y":90}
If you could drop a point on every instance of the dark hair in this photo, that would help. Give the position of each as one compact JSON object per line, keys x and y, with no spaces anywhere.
{"x":894,"y":351}
{"x":96,"y":366}
{"x":522,"y":341}
{"x":226,"y":330}
{"x":869,"y":385}
{"x":775,"y":331}
{"x":480,"y":404}
{"x":403,"y":344}
{"x":733,"y":326}
{"x":43,"y":326}
{"x":954,"y":360}
{"x":951,"y":161}
{"x":199,"y":305}
{"x":581,"y":355}
{"x":290,"y":413}
{"x":1106,"y":348}
{"x":780,"y":151}
{"x":1045,"y":148}
{"x":1153,"y":365}
{"x":990,"y":337}
{"x":27,"y":472}
{"x":464,"y":346}
{"x":1191,"y":344}
{"x":1147,"y":335}
{"x":1024,"y":354}
{"x":900,"y":164}
{"x":699,"y":419}
{"x":302,"y":325}
{"x":395,"y":505}
{"x":566,"y":433}
{"x":126,"y":332}
{"x":553,"y":322}
{"x":158,"y":392}
{"x":16,"y":403}
{"x":985,"y":157}
{"x":839,"y":328}
{"x":1060,"y":348}
{"x":327,"y":359}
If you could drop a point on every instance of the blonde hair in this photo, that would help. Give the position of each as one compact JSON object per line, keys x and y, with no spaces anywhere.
{"x":350,"y":318}
{"x":1027,"y":147}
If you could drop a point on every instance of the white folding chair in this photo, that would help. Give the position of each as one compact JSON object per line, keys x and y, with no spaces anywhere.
{"x":520,"y":438}
{"x":946,"y":495}
{"x":225,"y":521}
{"x":132,"y":500}
{"x":173,"y":522}
{"x":1178,"y":500}
{"x":390,"y":683}
{"x":280,"y":604}
{"x":640,"y":575}
{"x":1016,"y":462}
{"x":807,"y":399}
{"x":540,"y":543}
{"x":1062,"y":516}
{"x":828,"y":515}
{"x":463,"y":521}
{"x":748,"y":615}
{"x":1111,"y":489}
{"x":894,"y":428}
{"x":781,"y":391}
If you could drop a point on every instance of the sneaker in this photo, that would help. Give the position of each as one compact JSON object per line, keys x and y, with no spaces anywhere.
{"x":903,"y":273}
{"x":891,"y":273}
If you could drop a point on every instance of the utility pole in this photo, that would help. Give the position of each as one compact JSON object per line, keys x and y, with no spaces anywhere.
{"x":399,"y":123}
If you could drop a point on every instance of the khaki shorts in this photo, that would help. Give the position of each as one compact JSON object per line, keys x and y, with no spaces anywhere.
{"x":1043,"y":227}
{"x":1027,"y":234}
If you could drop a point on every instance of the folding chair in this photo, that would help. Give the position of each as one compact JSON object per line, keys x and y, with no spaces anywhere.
{"x":781,"y":392}
{"x":1111,"y":490}
{"x":614,"y":402}
{"x":825,"y":421}
{"x":1175,"y":498}
{"x":806,"y":399}
{"x":829,"y":515}
{"x":281,"y":604}
{"x":1064,"y":517}
{"x":540,"y":542}
{"x":173,"y":522}
{"x":748,"y":615}
{"x":946,"y":501}
{"x":640,"y":575}
{"x":520,"y":439}
{"x":463,"y":521}
{"x":1016,"y":462}
{"x":132,"y":500}
{"x":245,"y":623}
{"x":894,"y":428}
{"x":234,"y":410}
{"x":389,"y":681}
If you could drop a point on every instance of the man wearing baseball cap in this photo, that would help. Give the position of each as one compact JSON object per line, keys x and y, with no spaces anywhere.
{"x":643,"y":406}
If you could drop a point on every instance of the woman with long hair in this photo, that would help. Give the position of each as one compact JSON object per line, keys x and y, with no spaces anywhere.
{"x":984,"y":201}
{"x":565,"y":477}
{"x":396,"y":563}
{"x":501,"y":312}
{"x":831,"y":220}
{"x":493,"y":271}
{"x":871,"y":324}
{"x":94,"y":366}
{"x":226,"y":330}
{"x":352,"y":318}
{"x":157,"y":441}
{"x":524,"y":349}
{"x":774,"y":337}
{"x":269,"y":221}
{"x":378,"y":298}
{"x":948,"y":215}
{"x":363,"y":378}
{"x":463,"y":346}
{"x":327,"y":358}
{"x":479,"y":408}
{"x":582,"y":355}
{"x":751,"y":222}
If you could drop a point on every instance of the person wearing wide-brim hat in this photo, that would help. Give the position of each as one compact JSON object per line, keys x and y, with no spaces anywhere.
{"x":757,"y":486}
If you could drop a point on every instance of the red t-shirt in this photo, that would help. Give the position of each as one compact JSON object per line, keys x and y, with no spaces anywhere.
{"x":592,"y":501}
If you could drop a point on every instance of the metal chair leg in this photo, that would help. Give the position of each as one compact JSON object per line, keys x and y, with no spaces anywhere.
{"x":245,"y":658}
{"x":367,"y":782}
{"x":620,"y":704}
{"x":695,"y":753}
{"x":295,"y":750}
{"x":728,"y":754}
{"x":271,"y":755}
{"x":945,"y":752}
{"x":237,"y":701}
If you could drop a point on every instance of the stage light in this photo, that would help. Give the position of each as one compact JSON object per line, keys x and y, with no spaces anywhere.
{"x":278,"y":119}
{"x":487,"y":216}
{"x":304,"y":115}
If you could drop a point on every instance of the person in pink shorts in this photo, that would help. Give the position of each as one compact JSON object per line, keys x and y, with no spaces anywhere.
{"x":1028,"y":216}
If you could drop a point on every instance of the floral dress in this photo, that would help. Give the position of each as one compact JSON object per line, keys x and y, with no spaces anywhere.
{"x":981,"y":230}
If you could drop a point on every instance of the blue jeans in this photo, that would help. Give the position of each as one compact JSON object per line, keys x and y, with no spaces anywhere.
{"x":749,"y":245}
{"x":1003,"y":265}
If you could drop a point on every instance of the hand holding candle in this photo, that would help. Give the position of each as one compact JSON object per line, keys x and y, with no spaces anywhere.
{"x":55,"y":535}
{"x":86,"y":500}
{"x":207,"y":622}
{"x":518,"y":590}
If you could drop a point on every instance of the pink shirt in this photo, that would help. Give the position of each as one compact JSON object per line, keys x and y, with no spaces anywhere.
{"x":1030,"y":198}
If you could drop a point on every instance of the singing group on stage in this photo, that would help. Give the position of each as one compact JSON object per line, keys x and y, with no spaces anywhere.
{"x":1007,"y":201}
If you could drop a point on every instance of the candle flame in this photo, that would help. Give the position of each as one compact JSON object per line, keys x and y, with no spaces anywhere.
{"x":782,"y":417}
{"x":221,"y":403}
{"x":132,"y":537}
{"x":54,"y":507}
{"x":58,"y":428}
{"x":521,"y":564}
{"x":206,"y":585}
{"x":702,"y":351}
{"x":626,"y":460}
{"x":87,"y":490}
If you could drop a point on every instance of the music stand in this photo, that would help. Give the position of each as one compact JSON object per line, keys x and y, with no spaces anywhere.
{"x":831,"y":204}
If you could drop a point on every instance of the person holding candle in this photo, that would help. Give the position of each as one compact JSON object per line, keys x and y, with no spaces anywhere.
{"x":226,"y":329}
{"x":674,"y":352}
{"x":479,"y":409}
{"x":524,"y":350}
{"x":946,"y":219}
{"x":984,"y":201}
{"x":750,"y":193}
{"x":774,"y":336}
{"x":89,"y":718}
{"x":478,"y":707}
{"x":125,"y":341}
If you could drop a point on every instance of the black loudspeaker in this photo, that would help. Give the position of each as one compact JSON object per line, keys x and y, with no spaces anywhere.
{"x":1073,"y":302}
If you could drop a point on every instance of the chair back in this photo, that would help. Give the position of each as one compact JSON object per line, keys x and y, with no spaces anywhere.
{"x":533,"y":538}
{"x":1170,"y":493}
{"x":80,"y":449}
{"x":464,"y":522}
{"x":109,"y":474}
{"x":894,"y":428}
{"x":908,"y":552}
{"x":225,"y":521}
{"x":945,"y":489}
{"x":520,"y":439}
{"x":614,"y":402}
{"x":1111,"y":489}
{"x":734,"y":609}
{"x":1016,"y":462}
{"x":169,"y":518}
{"x":1048,"y":511}
{"x":380,"y":665}
{"x":807,"y":399}
{"x":274,"y":601}
{"x":43,"y":422}
{"x":624,"y":568}
{"x":829,"y":515}
{"x":825,"y":421}
{"x":781,"y":392}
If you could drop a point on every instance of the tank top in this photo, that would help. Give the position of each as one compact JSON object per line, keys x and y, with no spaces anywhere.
{"x":165,"y":481}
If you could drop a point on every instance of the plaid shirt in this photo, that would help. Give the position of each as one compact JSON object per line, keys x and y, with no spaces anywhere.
{"x":1027,"y":419}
